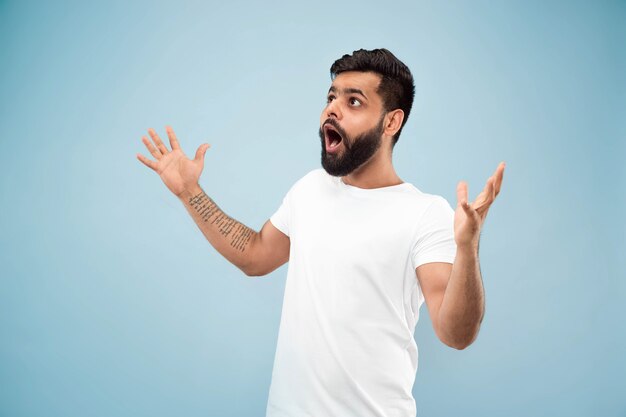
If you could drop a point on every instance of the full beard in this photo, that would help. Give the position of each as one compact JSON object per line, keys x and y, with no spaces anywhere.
{"x":357,"y":151}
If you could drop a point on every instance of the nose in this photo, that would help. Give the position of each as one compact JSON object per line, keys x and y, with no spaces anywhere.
{"x":333,"y":109}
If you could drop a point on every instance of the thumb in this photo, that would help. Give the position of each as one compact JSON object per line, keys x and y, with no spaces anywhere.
{"x":201,"y":151}
{"x":461,"y":193}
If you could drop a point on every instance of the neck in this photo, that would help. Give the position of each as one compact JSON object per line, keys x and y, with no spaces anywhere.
{"x":378,"y":172}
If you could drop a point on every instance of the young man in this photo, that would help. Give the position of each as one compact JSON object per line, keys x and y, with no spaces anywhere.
{"x":365,"y":250}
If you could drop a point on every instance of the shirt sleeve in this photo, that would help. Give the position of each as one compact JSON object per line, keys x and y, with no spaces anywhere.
{"x":434,"y":237}
{"x":281,"y":218}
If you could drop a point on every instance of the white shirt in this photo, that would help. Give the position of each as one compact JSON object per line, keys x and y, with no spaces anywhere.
{"x":346,"y":341}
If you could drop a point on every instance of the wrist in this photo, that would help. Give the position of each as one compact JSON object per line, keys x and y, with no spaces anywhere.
{"x":189,"y":192}
{"x":467,"y":248}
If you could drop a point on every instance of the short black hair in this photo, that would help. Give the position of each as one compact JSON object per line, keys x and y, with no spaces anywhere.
{"x":396,"y":86}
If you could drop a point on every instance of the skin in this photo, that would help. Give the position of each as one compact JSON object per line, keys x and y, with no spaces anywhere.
{"x":454,"y":293}
{"x":357,"y":113}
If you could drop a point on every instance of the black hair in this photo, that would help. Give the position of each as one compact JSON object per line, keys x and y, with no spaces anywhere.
{"x":396,"y":86}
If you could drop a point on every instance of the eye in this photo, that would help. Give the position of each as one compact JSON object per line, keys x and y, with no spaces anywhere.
{"x":355,"y":102}
{"x":330,"y":98}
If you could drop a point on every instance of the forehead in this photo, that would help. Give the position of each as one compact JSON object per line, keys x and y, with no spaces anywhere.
{"x":367,"y":82}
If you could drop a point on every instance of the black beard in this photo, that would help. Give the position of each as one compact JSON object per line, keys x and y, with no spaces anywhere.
{"x":357,"y":151}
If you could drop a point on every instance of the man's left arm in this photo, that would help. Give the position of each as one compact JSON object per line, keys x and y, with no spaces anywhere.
{"x":454,"y":292}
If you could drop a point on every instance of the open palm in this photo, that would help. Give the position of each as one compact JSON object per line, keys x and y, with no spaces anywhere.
{"x":469,"y":217}
{"x":178,"y":172}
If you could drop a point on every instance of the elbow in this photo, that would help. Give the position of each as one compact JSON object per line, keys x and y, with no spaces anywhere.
{"x":251,"y":272}
{"x":260,"y":269}
{"x":458,"y":345}
{"x":461,"y":341}
{"x":248,"y":269}
{"x":251,"y":266}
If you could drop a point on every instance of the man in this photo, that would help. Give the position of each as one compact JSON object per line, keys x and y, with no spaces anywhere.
{"x":365,"y":250}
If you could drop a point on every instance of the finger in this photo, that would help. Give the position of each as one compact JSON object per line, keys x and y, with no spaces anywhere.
{"x":154,"y":151}
{"x":486,"y":196}
{"x":173,"y":140}
{"x":499,"y":175}
{"x":473,"y":217}
{"x":469,"y":210}
{"x":461,"y":193}
{"x":150,"y":164}
{"x":483,"y":196}
{"x":201,"y":152}
{"x":158,"y":142}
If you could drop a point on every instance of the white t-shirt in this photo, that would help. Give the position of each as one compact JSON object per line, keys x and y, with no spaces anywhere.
{"x":346,"y":344}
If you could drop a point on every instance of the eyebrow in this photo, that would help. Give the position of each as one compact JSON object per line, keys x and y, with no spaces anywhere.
{"x":332,"y":89}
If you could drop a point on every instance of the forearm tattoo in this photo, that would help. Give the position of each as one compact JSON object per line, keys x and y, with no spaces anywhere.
{"x":206,"y":208}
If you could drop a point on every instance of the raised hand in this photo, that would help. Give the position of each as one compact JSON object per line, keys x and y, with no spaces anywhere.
{"x":469,"y":217}
{"x":178,"y":172}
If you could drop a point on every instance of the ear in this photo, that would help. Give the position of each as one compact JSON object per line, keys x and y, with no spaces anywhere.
{"x":393,"y":122}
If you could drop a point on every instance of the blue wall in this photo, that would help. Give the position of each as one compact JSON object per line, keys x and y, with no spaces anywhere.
{"x":113,"y":304}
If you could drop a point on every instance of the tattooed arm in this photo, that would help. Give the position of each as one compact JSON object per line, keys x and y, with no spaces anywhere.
{"x":254,"y":253}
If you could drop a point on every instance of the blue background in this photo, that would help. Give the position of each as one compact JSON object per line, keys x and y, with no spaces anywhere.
{"x":112,"y":303}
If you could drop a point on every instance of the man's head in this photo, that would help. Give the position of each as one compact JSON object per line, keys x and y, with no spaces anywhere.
{"x":370,"y":99}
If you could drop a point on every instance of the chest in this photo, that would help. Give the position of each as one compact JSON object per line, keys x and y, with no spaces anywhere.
{"x":352,"y":230}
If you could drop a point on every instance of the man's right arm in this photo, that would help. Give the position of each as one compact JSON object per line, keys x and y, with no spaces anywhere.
{"x":255,"y":253}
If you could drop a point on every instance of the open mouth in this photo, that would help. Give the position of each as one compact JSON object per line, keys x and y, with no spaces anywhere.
{"x":332,"y":138}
